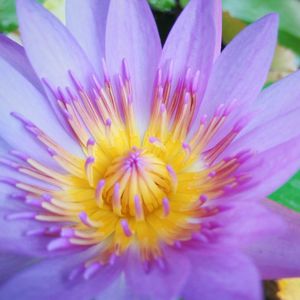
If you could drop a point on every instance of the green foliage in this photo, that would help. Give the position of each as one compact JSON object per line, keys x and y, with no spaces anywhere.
{"x":183,"y":3}
{"x":8,"y":19}
{"x":163,"y":5}
{"x":288,"y":10}
{"x":289,"y":194}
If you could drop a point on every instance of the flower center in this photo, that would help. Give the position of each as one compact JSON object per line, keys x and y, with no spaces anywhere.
{"x":147,"y":192}
{"x":136,"y":184}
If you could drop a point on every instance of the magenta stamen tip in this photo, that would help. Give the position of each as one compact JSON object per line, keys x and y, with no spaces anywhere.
{"x":90,"y":142}
{"x":58,"y":244}
{"x":203,"y":199}
{"x":125,"y":226}
{"x":166,"y":206}
{"x":67,"y":232}
{"x":91,"y":270}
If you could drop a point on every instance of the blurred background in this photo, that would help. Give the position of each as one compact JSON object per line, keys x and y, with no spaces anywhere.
{"x":236,"y":15}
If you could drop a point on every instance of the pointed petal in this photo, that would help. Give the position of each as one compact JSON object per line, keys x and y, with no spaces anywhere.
{"x":263,"y":137}
{"x":277,"y":256}
{"x":18,"y":95}
{"x":51,"y":49}
{"x":14,"y":239}
{"x":218,"y":26}
{"x":194,"y":40}
{"x":132,"y":34}
{"x":117,"y":290}
{"x":223,"y":274}
{"x":271,"y":168}
{"x":86,"y":20}
{"x":15,"y":55}
{"x":11,"y":264}
{"x":242,"y":221}
{"x":158,"y":283}
{"x":241,"y":70}
{"x":33,"y":283}
{"x":277,"y":100}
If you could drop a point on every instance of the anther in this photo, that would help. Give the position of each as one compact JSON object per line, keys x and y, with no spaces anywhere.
{"x":90,"y":145}
{"x":158,"y":78}
{"x":75,"y":273}
{"x":99,"y":193}
{"x":19,"y":155}
{"x":173,"y":176}
{"x":89,"y":169}
{"x":219,"y":110}
{"x":112,"y":259}
{"x":203,"y":199}
{"x":125,"y":226}
{"x":84,"y":219}
{"x":35,"y":232}
{"x":33,"y":202}
{"x":58,"y":244}
{"x":67,"y":232}
{"x":117,"y":199}
{"x":161,"y":263}
{"x":105,"y":72}
{"x":139,"y":212}
{"x":166,"y":206}
{"x":195,"y":83}
{"x":125,"y":70}
{"x":170,"y":71}
{"x":203,"y":120}
{"x":9,"y":163}
{"x":21,"y":216}
{"x":76,"y":82}
{"x":21,"y":118}
{"x":91,"y":270}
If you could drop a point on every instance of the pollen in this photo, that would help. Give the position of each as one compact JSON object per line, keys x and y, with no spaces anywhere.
{"x":137,"y":175}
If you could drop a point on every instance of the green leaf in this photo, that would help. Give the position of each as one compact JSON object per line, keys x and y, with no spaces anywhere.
{"x":183,"y":3}
{"x":8,"y":19}
{"x":163,"y":5}
{"x":289,"y":194}
{"x":288,"y":10}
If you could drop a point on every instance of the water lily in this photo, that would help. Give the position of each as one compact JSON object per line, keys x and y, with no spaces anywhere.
{"x":132,"y":171}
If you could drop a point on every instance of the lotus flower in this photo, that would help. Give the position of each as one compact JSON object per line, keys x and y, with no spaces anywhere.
{"x":132,"y":171}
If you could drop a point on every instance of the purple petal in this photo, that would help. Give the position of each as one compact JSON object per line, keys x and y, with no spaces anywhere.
{"x":243,"y":221}
{"x":19,"y":96}
{"x":14,"y":239}
{"x":271,"y":168}
{"x":241,"y":70}
{"x":22,"y":234}
{"x":158,"y":282}
{"x":280,"y":98}
{"x":218,"y":26}
{"x":132,"y":34}
{"x":50,"y":279}
{"x":51,"y":49}
{"x":11,"y":264}
{"x":268,"y":134}
{"x":15,"y":55}
{"x":194,"y":40}
{"x":222,"y":274}
{"x":117,"y":290}
{"x":86,"y":20}
{"x":277,"y":256}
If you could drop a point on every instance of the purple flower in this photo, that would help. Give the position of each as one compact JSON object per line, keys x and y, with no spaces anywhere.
{"x":129,"y":171}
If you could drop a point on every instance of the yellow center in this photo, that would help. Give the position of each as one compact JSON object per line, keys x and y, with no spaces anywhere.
{"x":127,"y":191}
{"x":136,"y":181}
